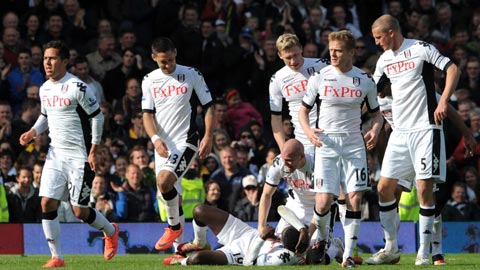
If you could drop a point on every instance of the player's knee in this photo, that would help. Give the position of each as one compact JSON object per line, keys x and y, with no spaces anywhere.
{"x":197,"y":258}
{"x":49,"y":204}
{"x":165,"y":181}
{"x":198,"y":211}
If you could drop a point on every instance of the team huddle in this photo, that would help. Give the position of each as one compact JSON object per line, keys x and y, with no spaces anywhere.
{"x":325,"y":163}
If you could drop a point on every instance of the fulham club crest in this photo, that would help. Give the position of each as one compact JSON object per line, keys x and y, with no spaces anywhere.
{"x":407,"y":54}
{"x":356,"y":81}
{"x":64,"y":88}
{"x":181,"y":77}
{"x":311,"y":71}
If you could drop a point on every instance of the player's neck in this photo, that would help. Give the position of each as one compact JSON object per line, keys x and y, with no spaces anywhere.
{"x":344,"y":68}
{"x":58,"y":78}
{"x":398,"y":43}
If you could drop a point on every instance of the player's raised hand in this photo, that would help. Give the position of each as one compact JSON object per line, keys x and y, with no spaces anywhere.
{"x":161,"y":148}
{"x":303,"y":241}
{"x":26,"y":137}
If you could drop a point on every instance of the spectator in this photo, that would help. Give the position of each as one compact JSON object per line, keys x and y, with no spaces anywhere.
{"x":136,"y":133}
{"x":12,"y":44}
{"x":55,"y":29}
{"x":23,"y":200}
{"x":4,"y":215}
{"x":240,"y":113}
{"x":104,"y":27}
{"x":113,"y":125}
{"x":220,"y":140}
{"x":138,"y":156}
{"x":20,"y":78}
{"x":32,"y":30}
{"x":75,"y":22}
{"x":244,"y":155}
{"x":310,"y":50}
{"x":229,"y":177}
{"x":82,"y":70}
{"x":29,"y":114}
{"x":104,"y":58}
{"x":7,"y":170}
{"x":10,"y":19}
{"x":187,"y":37}
{"x":210,"y":164}
{"x":115,"y":80}
{"x":136,"y":202}
{"x":212,"y":193}
{"x":37,"y":58}
{"x":271,"y":154}
{"x":246,"y":209}
{"x":459,"y":156}
{"x":128,"y":41}
{"x":472,"y":184}
{"x":5,"y":121}
{"x":338,"y":20}
{"x":101,"y":200}
{"x":220,"y":111}
{"x":458,"y":208}
{"x":131,"y":102}
{"x":37,"y":173}
{"x":193,"y":191}
{"x":211,"y":62}
{"x":287,"y":127}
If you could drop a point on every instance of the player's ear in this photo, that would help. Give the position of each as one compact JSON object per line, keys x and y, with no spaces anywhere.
{"x":153,"y":57}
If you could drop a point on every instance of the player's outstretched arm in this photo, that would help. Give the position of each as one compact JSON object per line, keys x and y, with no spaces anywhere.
{"x":207,"y":140}
{"x":264,"y":205}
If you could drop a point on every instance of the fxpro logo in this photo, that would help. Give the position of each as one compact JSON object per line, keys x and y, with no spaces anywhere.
{"x":56,"y":101}
{"x":170,"y":90}
{"x":399,"y":67}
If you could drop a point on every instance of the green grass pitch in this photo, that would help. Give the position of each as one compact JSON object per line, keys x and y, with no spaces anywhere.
{"x":146,"y":262}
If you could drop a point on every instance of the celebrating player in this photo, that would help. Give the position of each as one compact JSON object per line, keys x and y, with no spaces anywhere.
{"x":340,"y":155}
{"x":290,"y":83}
{"x":169,"y":94}
{"x":69,"y":110}
{"x":417,"y":142}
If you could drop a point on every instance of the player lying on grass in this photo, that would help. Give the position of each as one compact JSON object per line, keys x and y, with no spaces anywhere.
{"x":242,"y":244}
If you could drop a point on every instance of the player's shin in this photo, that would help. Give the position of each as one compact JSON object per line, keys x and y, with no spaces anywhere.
{"x":352,"y":228}
{"x":388,"y":217}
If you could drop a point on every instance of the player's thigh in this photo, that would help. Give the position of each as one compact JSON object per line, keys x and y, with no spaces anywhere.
{"x":179,"y":159}
{"x":353,"y":163}
{"x":54,"y":181}
{"x":326,"y":172}
{"x":397,"y":161}
{"x":80,"y":178}
{"x":428,"y":151}
{"x":235,"y":229}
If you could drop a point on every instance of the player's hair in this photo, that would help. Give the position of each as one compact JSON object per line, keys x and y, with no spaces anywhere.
{"x":287,"y":41}
{"x":345,"y":36}
{"x":162,"y":45}
{"x":290,"y":238}
{"x":387,"y":22}
{"x":63,"y":51}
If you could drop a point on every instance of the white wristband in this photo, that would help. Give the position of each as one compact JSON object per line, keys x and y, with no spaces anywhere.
{"x":154,"y":138}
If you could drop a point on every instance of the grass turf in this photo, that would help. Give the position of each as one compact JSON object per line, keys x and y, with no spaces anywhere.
{"x":145,"y":262}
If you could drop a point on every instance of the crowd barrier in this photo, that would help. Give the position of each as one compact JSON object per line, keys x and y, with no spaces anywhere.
{"x":77,"y":238}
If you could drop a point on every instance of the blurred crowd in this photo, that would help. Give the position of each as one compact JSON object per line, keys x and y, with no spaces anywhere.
{"x":232,"y":43}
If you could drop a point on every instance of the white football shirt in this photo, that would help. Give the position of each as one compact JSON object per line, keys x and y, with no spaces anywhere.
{"x":171,"y":97}
{"x":341,"y":97}
{"x":299,"y":183}
{"x":410,"y":70}
{"x":291,"y":85}
{"x":68,"y":105}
